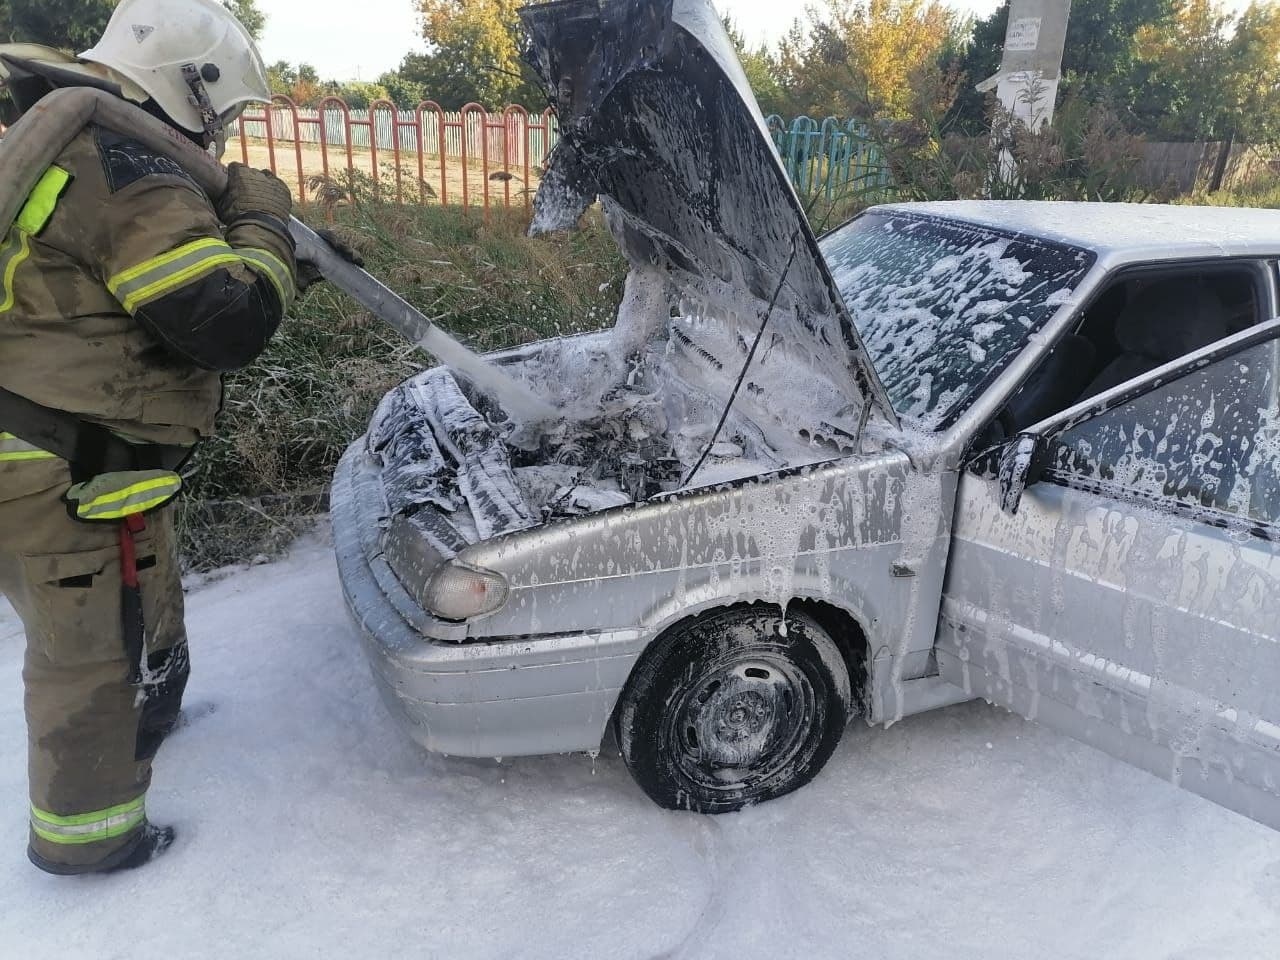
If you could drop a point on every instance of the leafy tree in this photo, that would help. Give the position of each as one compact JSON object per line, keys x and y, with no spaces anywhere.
{"x":357,"y":94}
{"x":401,"y":90}
{"x":1208,"y":75}
{"x":247,"y":12}
{"x":473,"y":55}
{"x":763,"y":72}
{"x":301,"y":84}
{"x":77,"y":24}
{"x":67,"y":24}
{"x":1255,"y":50}
{"x":282,"y":76}
{"x":858,"y":56}
{"x":1098,"y":64}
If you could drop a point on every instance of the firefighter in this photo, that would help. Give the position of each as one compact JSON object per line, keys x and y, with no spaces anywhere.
{"x":125,"y":293}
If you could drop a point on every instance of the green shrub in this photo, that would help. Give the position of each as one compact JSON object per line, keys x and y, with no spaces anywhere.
{"x":1261,"y":191}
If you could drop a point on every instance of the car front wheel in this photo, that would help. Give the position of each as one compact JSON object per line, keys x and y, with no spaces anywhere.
{"x":733,"y":708}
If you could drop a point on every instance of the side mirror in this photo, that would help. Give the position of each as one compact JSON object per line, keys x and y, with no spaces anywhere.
{"x":1021,"y":463}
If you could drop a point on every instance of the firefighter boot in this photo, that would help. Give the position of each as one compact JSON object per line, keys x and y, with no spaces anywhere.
{"x":152,"y":842}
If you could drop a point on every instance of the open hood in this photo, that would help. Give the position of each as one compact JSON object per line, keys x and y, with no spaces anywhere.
{"x":658,"y":121}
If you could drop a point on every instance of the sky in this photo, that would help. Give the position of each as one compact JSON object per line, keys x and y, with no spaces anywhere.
{"x":374,"y":41}
{"x":364,"y":46}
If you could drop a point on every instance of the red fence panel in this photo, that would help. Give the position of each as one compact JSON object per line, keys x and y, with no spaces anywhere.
{"x":327,"y":105}
{"x":473,"y":157}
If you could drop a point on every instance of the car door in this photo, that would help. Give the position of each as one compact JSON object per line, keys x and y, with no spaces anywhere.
{"x":1132,"y":601}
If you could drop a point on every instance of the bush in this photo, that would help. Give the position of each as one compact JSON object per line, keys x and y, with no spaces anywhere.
{"x":1086,"y":153}
{"x":1260,"y":191}
{"x":287,"y":419}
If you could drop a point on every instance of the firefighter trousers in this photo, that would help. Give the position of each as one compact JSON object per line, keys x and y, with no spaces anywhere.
{"x":94,"y":718}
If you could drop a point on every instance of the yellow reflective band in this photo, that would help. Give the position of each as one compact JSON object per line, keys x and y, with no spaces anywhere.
{"x":12,"y":256}
{"x":134,"y":499}
{"x":89,"y":827}
{"x":33,"y":218}
{"x":154,"y":278}
{"x":13,"y":450}
{"x":164,"y":260}
{"x":273,"y":268}
{"x":159,"y":276}
{"x":38,"y":211}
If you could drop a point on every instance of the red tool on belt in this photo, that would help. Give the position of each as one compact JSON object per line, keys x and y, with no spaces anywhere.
{"x":131,"y":596}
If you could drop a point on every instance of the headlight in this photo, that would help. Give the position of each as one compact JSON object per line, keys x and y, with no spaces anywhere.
{"x":460,"y":592}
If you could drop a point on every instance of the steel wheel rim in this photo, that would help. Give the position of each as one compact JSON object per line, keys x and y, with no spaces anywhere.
{"x":743,"y":720}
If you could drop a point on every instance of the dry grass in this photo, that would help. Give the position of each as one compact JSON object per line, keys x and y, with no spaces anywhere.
{"x":494,"y":184}
{"x":1261,"y":191}
{"x":288,"y":418}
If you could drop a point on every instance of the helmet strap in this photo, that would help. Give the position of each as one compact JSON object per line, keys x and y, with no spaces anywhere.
{"x":213,"y":126}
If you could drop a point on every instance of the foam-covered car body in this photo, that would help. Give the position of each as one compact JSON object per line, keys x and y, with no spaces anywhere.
{"x":1023,"y":451}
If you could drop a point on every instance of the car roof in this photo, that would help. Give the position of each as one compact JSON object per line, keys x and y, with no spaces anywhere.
{"x":1123,"y":232}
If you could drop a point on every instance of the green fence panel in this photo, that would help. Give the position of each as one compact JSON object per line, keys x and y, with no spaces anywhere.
{"x":831,"y":159}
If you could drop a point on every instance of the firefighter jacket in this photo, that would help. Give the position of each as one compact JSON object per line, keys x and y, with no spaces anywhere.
{"x":123,"y":298}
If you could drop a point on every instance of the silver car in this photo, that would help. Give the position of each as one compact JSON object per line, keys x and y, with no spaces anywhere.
{"x":1028,"y":452}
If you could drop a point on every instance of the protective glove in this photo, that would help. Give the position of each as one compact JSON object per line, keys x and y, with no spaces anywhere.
{"x":111,"y":497}
{"x":254,"y":193}
{"x":309,"y":273}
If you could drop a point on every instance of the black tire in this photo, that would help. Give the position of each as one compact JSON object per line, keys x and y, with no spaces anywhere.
{"x":731,"y":709}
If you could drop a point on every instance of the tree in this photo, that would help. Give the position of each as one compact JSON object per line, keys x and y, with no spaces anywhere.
{"x":77,"y":24}
{"x":402,"y":91}
{"x":247,"y":12}
{"x":859,"y":56}
{"x":762,"y":70}
{"x":1206,"y":75}
{"x":1255,"y":50}
{"x":1099,"y":62}
{"x":358,"y":94}
{"x":67,"y":24}
{"x":301,"y":84}
{"x":473,"y":55}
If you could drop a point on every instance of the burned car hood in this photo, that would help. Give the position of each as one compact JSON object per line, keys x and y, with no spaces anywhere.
{"x":659,"y":123}
{"x":728,"y":299}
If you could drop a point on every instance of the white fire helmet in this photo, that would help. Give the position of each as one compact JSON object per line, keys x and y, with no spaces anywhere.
{"x":192,"y":57}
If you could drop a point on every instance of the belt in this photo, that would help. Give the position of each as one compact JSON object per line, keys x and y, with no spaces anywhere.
{"x":90,"y":449}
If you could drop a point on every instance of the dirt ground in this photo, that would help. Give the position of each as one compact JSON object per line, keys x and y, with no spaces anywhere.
{"x":473,"y":181}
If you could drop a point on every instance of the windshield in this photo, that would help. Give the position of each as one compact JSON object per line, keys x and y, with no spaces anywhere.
{"x":943,"y":306}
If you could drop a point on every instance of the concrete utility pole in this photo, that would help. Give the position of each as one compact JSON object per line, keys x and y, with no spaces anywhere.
{"x":1027,"y":83}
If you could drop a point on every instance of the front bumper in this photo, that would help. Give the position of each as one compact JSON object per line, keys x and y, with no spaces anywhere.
{"x":495,"y":698}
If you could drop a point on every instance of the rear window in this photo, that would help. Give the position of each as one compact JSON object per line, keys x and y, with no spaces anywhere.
{"x":942,"y":306}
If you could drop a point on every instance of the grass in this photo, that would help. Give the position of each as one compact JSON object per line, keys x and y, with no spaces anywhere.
{"x":1263,"y":191}
{"x":288,"y":418}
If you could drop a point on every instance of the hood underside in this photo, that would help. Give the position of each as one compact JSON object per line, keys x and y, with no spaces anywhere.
{"x":658,"y":121}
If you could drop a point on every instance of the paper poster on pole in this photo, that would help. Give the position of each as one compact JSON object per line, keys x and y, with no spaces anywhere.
{"x":1023,"y":35}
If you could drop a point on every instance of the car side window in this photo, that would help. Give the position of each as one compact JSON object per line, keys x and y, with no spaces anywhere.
{"x":1207,"y":440}
{"x":1138,"y":322}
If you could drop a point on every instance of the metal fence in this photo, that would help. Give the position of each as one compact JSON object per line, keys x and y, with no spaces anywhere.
{"x":832,"y":160}
{"x":481,"y":158}
{"x":469,"y":157}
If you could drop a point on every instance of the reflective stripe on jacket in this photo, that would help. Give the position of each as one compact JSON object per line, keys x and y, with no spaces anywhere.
{"x":13,"y":450}
{"x":124,"y":297}
{"x":33,"y":218}
{"x":160,"y":276}
{"x":89,"y":827}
